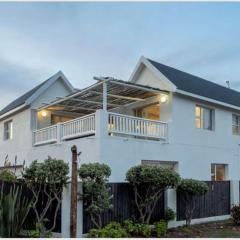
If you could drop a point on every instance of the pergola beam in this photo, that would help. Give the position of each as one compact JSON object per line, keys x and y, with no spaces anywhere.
{"x":73,"y":107}
{"x":120,"y":96}
{"x":94,"y":102}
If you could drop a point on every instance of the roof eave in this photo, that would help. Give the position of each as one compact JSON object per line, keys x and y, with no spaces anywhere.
{"x":208,"y":99}
{"x":48,"y":84}
{"x":14,"y":111}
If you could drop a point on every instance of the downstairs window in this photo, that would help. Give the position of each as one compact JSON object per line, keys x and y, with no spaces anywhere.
{"x":218,"y":172}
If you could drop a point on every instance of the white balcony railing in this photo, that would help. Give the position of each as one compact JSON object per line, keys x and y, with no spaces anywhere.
{"x":78,"y":127}
{"x":134,"y":126}
{"x":63,"y":131}
{"x":118,"y":124}
{"x":45,"y":135}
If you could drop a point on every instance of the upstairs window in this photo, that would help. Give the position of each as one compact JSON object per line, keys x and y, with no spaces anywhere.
{"x":204,"y":117}
{"x":235,"y":124}
{"x":8,"y":130}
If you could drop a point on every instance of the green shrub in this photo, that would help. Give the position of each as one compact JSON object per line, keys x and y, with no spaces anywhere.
{"x":112,"y":230}
{"x":7,"y":176}
{"x":128,"y":225}
{"x":137,"y":229}
{"x":149,"y":183}
{"x":142,"y":230}
{"x":191,"y":188}
{"x":14,"y":208}
{"x":161,"y":228}
{"x":235,"y":214}
{"x":169,"y":215}
{"x":97,"y":195}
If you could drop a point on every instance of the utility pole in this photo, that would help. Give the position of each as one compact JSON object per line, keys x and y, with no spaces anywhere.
{"x":74,"y":183}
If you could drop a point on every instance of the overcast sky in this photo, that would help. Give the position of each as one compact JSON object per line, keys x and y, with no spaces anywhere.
{"x":107,"y":39}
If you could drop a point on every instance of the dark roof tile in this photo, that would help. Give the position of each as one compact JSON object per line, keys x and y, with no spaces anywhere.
{"x":199,"y":86}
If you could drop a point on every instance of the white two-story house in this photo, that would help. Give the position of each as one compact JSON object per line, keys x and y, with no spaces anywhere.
{"x":161,"y":116}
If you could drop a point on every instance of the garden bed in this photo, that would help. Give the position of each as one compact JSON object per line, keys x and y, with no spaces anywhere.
{"x":220,"y":229}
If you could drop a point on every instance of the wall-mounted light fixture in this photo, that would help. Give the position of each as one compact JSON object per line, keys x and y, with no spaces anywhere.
{"x":43,"y":113}
{"x":163,"y":98}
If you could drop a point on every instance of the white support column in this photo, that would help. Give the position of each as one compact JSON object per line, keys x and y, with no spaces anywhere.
{"x":234,"y":192}
{"x":101,"y":123}
{"x":105,"y":95}
{"x":65,"y":218}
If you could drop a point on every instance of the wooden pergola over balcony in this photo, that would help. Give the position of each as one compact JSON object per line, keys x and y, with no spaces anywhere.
{"x":107,"y":94}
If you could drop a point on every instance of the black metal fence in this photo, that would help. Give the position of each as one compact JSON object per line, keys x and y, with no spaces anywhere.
{"x":123,"y":207}
{"x":31,"y":218}
{"x":215,"y":203}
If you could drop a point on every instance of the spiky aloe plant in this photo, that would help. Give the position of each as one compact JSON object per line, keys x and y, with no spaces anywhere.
{"x":14,"y":208}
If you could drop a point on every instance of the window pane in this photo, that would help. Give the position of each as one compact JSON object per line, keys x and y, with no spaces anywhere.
{"x":218,"y":172}
{"x":235,"y":124}
{"x":234,"y":119}
{"x":8,"y":130}
{"x":198,"y":111}
{"x":198,"y":123}
{"x":235,"y":130}
{"x":207,"y":119}
{"x":204,"y":117}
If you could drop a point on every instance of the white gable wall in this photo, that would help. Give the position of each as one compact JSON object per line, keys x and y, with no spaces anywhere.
{"x":57,"y":89}
{"x":146,"y":77}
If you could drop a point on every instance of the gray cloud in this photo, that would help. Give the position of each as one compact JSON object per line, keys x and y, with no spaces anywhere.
{"x":16,"y":80}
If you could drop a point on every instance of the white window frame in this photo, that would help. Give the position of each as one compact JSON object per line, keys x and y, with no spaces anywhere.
{"x":201,"y":117}
{"x":236,"y":125}
{"x":8,"y":130}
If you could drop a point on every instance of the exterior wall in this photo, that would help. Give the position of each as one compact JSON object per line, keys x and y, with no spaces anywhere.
{"x":57,"y":89}
{"x":146,"y":77}
{"x":22,"y":137}
{"x":23,"y":124}
{"x":194,"y":149}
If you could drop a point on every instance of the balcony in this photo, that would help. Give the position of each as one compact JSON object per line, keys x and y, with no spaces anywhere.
{"x":116,"y":125}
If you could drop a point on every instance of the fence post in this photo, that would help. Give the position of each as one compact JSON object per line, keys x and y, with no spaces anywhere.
{"x":171,"y":202}
{"x":234,"y":192}
{"x":73,"y":208}
{"x":65,"y":213}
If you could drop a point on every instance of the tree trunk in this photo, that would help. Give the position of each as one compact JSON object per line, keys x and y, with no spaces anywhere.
{"x":73,"y":209}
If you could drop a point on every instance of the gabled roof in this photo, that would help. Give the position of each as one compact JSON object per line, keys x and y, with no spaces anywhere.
{"x":27,"y":98}
{"x":199,"y":86}
{"x":188,"y":84}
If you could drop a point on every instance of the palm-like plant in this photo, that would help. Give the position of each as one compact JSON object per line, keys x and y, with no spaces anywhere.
{"x":14,"y":208}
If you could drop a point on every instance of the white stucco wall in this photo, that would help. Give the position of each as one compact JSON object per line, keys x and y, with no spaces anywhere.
{"x":146,"y":77}
{"x":194,"y":149}
{"x":57,"y":89}
{"x":22,"y":137}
